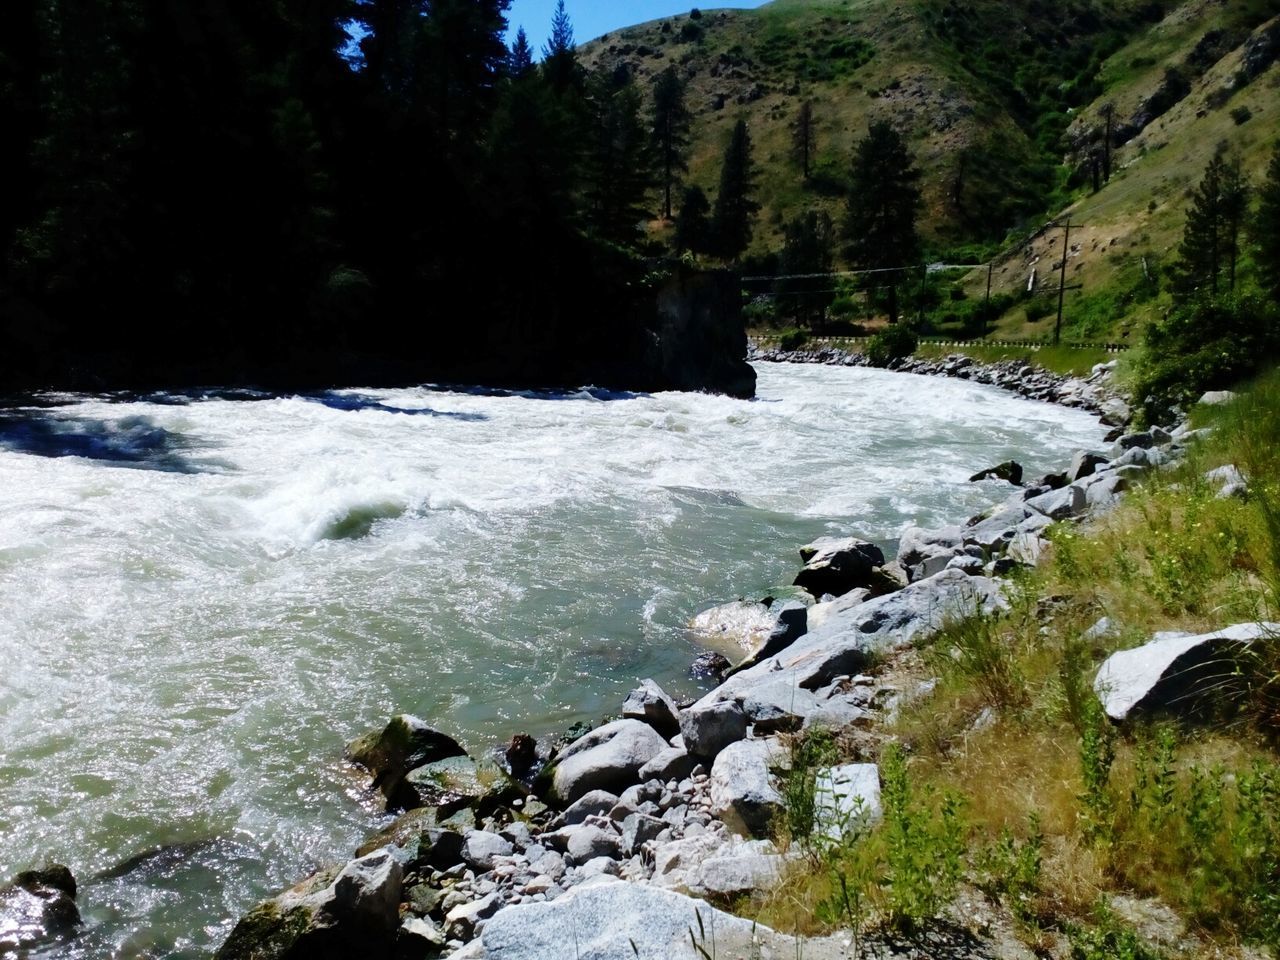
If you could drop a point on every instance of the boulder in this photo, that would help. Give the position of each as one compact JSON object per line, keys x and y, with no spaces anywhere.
{"x":737,"y":873}
{"x":993,"y":533}
{"x":1106,"y":490}
{"x":1142,"y":439}
{"x":354,"y":911}
{"x":837,"y":565}
{"x":649,"y":703}
{"x":404,"y":744}
{"x":709,"y":665}
{"x":479,"y":848}
{"x":607,"y":758}
{"x":743,"y":794}
{"x":820,"y":613}
{"x":1228,"y":480}
{"x":1060,"y":504}
{"x":710,"y":726}
{"x":37,"y":908}
{"x":637,"y":830}
{"x":1172,"y":669}
{"x":923,"y":553}
{"x":973,"y":566}
{"x":1084,"y":464}
{"x":1115,"y":413}
{"x":737,"y":629}
{"x":790,"y":624}
{"x":616,"y":920}
{"x":847,"y":800}
{"x":594,"y":803}
{"x":849,"y":641}
{"x":673,"y":763}
{"x":1010,"y":471}
{"x":1216,"y":398}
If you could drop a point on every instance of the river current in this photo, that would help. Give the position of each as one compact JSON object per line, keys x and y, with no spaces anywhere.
{"x":203,"y":597}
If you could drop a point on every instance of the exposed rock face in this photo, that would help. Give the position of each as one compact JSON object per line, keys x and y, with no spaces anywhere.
{"x":607,"y":758}
{"x":1172,"y":670}
{"x":332,"y":915}
{"x":39,"y":906}
{"x":405,"y":744}
{"x":837,"y":565}
{"x":701,"y":340}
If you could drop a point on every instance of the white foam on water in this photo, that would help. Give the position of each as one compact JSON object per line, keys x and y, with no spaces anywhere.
{"x":203,"y":601}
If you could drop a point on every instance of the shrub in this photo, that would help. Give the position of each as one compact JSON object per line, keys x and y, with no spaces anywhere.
{"x":1241,"y":115}
{"x":892,"y":343}
{"x":793,"y":338}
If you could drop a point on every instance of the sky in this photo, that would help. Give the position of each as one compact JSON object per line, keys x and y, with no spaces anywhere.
{"x":594,"y":17}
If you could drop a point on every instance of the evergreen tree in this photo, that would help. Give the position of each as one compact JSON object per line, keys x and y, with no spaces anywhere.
{"x":809,"y":249}
{"x":693,"y":223}
{"x":1211,"y":237}
{"x":880,"y":219}
{"x":520,"y":60}
{"x":735,"y":207}
{"x":559,"y":56}
{"x":1266,"y":227}
{"x":617,"y":176}
{"x":670,"y":131}
{"x":464,"y":55}
{"x":804,"y":137}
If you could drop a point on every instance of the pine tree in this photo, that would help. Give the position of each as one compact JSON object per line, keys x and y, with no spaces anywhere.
{"x":1265,"y":228}
{"x":1211,"y":237}
{"x":880,"y":219}
{"x":617,"y":175}
{"x":809,"y":249}
{"x":735,"y":207}
{"x":804,"y":138}
{"x":693,"y":223}
{"x":670,"y":131}
{"x":559,"y":55}
{"x":520,"y":59}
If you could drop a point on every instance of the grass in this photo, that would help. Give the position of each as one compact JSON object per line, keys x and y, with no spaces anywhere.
{"x":1011,"y":779}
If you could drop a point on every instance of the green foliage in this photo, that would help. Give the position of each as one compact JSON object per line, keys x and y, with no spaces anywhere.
{"x":892,"y":343}
{"x":735,"y":206}
{"x":1011,"y":869}
{"x":981,"y":651}
{"x":670,"y":126}
{"x":810,"y":752}
{"x":1097,"y":754}
{"x":1211,"y":239}
{"x":1207,"y":344}
{"x":1265,"y":228}
{"x":793,"y":338}
{"x":809,"y":249}
{"x":924,"y":840}
{"x":1108,"y":939}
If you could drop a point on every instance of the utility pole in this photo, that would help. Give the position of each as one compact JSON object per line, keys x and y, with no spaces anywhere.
{"x":1062,"y":279}
{"x":986,"y":304}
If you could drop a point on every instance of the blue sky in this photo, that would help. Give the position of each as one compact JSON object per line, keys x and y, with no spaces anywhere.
{"x":594,"y":17}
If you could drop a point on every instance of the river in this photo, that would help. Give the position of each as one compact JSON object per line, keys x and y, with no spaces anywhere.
{"x":203,"y":597}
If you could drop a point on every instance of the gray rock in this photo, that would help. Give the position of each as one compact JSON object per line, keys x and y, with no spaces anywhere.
{"x":994,"y":533}
{"x":1228,"y":480}
{"x":742,"y":791}
{"x":480,"y":847}
{"x":1172,"y":669}
{"x":967,"y":564}
{"x":1102,"y":629}
{"x":737,"y":629}
{"x":607,"y":758}
{"x":1027,"y":548}
{"x":586,"y":841}
{"x":1216,"y":398}
{"x":736,"y":874}
{"x":462,"y":919}
{"x":837,"y":565}
{"x":1084,"y":464}
{"x":355,"y":908}
{"x":820,"y":613}
{"x":672,"y":763}
{"x":1143,"y":439}
{"x":1060,"y":504}
{"x":709,"y":727}
{"x":599,"y":867}
{"x":1115,"y":413}
{"x":637,"y":830}
{"x":650,"y":704}
{"x":418,"y":937}
{"x":404,"y":744}
{"x":616,"y":920}
{"x":848,"y":642}
{"x":924,"y":553}
{"x":847,"y":800}
{"x":1106,"y":490}
{"x":1010,"y":471}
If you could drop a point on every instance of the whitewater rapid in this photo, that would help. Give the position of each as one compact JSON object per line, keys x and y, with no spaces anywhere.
{"x":203,"y":597}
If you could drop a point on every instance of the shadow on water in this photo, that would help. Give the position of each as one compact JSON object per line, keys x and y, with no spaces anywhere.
{"x":354,"y":402}
{"x":135,"y":442}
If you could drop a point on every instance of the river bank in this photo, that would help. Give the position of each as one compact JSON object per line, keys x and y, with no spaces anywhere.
{"x":677,"y":799}
{"x":888,"y":387}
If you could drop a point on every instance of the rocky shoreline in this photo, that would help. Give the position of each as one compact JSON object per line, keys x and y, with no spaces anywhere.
{"x":617,"y":842}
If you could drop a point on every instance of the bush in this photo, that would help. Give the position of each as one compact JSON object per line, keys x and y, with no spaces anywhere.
{"x":793,"y":338}
{"x":1204,"y":345}
{"x":1241,"y":115}
{"x":892,"y":343}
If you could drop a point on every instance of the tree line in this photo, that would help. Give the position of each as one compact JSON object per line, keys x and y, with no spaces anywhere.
{"x":319,"y":190}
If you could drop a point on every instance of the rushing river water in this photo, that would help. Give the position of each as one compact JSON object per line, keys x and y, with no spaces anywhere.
{"x":202,"y":599}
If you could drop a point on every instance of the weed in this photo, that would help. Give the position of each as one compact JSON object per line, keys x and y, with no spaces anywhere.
{"x":1097,"y":754}
{"x":1108,"y":939}
{"x":1011,"y":868}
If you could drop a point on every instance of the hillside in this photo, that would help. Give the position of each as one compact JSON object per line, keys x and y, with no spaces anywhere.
{"x":1001,"y":103}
